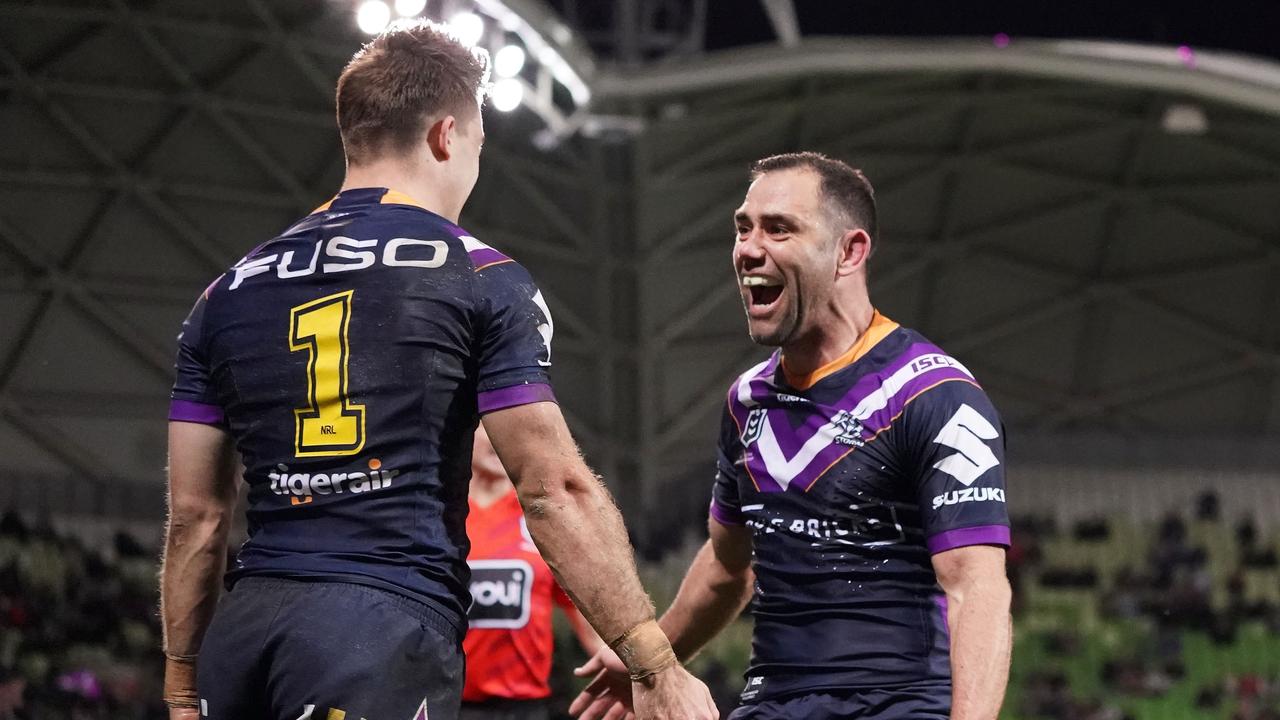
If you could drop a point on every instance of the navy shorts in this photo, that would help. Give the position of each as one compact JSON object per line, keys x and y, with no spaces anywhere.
{"x":281,"y":649}
{"x":901,"y":703}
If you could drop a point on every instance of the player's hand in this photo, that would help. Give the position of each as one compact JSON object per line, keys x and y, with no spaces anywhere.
{"x":184,"y":714}
{"x":673,"y":694}
{"x":608,"y":695}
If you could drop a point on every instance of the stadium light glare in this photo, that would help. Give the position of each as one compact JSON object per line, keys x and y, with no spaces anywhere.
{"x":410,"y":8}
{"x":373,"y":16}
{"x":468,"y":26}
{"x":508,"y":61}
{"x":507,"y":94}
{"x":510,"y":22}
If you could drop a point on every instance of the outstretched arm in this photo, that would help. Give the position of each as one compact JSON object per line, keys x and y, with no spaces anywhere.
{"x":978,"y":597}
{"x":580,"y":534}
{"x":202,"y":496}
{"x":714,"y":591}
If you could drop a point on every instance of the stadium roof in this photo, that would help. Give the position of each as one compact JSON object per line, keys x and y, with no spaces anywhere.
{"x":1090,"y":226}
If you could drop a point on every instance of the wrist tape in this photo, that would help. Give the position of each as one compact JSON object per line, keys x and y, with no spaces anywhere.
{"x":645,"y":650}
{"x":180,"y":681}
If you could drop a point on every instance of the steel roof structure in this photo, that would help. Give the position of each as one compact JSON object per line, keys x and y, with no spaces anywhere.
{"x":1091,"y":227}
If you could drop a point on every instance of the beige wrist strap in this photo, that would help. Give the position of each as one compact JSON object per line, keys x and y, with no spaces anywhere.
{"x":180,"y":681}
{"x":645,"y":650}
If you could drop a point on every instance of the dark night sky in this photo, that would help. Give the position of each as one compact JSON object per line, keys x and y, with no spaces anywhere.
{"x":1245,"y":26}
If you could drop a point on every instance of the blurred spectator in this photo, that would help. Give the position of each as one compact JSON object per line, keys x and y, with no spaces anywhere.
{"x":1171,"y":552}
{"x":1047,"y":695}
{"x":1246,"y":534}
{"x":1207,"y":506}
{"x":1209,"y":698}
{"x":1260,"y":558}
{"x":79,"y":636}
{"x":1124,"y":600}
{"x":12,"y":688}
{"x":1093,"y":529}
{"x":11,"y":526}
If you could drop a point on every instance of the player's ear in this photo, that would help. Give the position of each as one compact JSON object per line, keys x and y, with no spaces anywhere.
{"x":854,"y":247}
{"x":440,"y":137}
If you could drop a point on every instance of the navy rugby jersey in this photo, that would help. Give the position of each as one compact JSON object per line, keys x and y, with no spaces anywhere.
{"x":850,"y":479}
{"x":350,"y":358}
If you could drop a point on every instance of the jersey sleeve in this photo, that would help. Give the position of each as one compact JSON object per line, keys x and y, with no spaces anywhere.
{"x":192,"y":398}
{"x":957,"y":441}
{"x":726,"y":507}
{"x":515,"y":336}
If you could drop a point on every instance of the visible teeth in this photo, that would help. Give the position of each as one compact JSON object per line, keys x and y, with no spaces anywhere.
{"x":756,"y":280}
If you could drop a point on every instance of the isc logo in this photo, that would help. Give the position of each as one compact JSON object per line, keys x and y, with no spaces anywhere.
{"x":500,"y":591}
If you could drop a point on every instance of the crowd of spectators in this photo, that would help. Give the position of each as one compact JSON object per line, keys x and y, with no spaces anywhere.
{"x":79,"y":632}
{"x":80,"y":637}
{"x":1170,"y":589}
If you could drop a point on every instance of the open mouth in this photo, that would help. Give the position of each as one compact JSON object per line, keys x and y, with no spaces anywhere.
{"x":764,"y":291}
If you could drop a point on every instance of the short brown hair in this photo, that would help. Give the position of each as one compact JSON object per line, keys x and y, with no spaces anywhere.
{"x":411,"y":72}
{"x":847,"y":191}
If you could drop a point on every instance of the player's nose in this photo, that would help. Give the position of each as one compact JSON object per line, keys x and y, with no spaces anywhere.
{"x":748,"y":252}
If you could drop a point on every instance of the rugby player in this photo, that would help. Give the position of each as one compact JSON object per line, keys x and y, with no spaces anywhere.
{"x":347,"y":362}
{"x":509,"y":639}
{"x":863,"y":467}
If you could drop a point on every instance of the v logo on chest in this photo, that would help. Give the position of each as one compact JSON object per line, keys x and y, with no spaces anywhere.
{"x":781,"y":454}
{"x":783,"y":467}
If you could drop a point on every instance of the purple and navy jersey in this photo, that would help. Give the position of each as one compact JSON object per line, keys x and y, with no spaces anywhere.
{"x":350,"y":358}
{"x":851,"y":479}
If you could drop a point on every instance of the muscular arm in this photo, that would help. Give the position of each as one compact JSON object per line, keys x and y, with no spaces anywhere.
{"x":978,"y":598}
{"x":571,"y":516}
{"x":202,"y":497}
{"x":714,"y":590}
{"x":580,"y":534}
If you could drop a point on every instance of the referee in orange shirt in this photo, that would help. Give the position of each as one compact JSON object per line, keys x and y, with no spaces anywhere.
{"x":509,"y":639}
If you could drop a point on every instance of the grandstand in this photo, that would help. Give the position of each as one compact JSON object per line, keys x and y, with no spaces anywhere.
{"x":1083,"y":213}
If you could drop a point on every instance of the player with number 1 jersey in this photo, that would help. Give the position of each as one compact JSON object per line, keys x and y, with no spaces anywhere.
{"x":349,"y":358}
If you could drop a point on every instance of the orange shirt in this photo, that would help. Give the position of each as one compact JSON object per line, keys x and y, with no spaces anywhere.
{"x":509,"y":640}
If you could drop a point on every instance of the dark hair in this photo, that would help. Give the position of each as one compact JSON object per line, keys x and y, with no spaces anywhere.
{"x":847,"y":191}
{"x":411,"y":72}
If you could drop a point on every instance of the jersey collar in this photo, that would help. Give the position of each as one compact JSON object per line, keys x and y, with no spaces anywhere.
{"x":879,"y":329}
{"x":383,"y":196}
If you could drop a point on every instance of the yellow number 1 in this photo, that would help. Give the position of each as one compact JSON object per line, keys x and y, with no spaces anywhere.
{"x":330,"y":424}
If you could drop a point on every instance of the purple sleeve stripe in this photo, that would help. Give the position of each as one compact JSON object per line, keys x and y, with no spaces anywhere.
{"x":980,"y":535}
{"x":484,"y":257}
{"x":188,"y":411}
{"x":502,"y":398}
{"x":725,"y":516}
